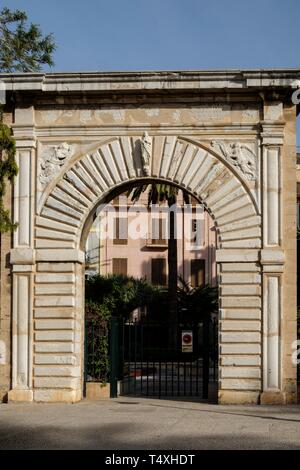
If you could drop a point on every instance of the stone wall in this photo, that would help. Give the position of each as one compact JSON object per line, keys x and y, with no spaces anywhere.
{"x":5,"y":296}
{"x":289,"y":206}
{"x":5,"y":308}
{"x":233,"y":150}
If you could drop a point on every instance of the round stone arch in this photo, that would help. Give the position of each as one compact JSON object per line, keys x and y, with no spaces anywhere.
{"x":75,"y":193}
{"x":53,"y":369}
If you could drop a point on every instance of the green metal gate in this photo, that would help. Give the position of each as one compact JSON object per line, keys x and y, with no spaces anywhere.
{"x":157,"y":365}
{"x":155,"y":359}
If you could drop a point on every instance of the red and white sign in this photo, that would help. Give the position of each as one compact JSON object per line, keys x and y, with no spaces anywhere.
{"x":187,"y":341}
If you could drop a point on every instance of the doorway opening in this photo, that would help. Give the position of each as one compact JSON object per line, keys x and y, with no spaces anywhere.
{"x":151,"y":310}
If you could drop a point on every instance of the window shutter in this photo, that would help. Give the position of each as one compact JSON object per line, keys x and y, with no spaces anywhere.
{"x":119,"y":266}
{"x":197,"y":272}
{"x":158,"y":271}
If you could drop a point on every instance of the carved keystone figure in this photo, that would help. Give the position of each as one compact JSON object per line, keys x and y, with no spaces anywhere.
{"x":146,"y":150}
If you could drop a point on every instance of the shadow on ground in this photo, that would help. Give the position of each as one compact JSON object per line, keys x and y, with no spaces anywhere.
{"x":115,"y":436}
{"x":133,"y":424}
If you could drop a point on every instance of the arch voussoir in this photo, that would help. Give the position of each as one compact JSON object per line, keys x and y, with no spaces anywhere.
{"x":81,"y":187}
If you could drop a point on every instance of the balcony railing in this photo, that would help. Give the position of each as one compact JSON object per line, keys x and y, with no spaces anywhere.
{"x":156,"y":243}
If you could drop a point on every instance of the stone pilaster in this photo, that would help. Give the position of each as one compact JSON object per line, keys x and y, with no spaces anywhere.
{"x":272,"y":267}
{"x":22,"y":334}
{"x":272,"y":254}
{"x":23,"y":258}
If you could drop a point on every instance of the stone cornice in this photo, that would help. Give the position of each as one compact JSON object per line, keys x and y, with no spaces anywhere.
{"x":163,"y":80}
{"x":272,"y":132}
{"x":272,"y":256}
{"x":205,"y":131}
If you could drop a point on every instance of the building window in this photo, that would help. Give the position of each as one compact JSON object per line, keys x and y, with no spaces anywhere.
{"x":197,"y":272}
{"x":120,"y":230}
{"x":119,"y":266}
{"x":197,"y":228}
{"x":158,"y":271}
{"x":194,"y":229}
{"x":158,"y":235}
{"x":92,"y":248}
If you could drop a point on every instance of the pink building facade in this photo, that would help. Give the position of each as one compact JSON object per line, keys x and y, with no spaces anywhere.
{"x":132,"y":239}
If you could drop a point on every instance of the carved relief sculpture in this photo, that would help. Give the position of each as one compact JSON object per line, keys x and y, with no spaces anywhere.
{"x":53,"y":159}
{"x":239,"y":155}
{"x":146,"y":151}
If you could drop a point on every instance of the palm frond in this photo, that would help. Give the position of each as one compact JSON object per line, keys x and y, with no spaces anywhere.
{"x":158,"y":193}
{"x":138,"y":191}
{"x":186,"y":197}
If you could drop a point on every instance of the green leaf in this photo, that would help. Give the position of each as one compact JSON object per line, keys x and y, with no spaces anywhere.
{"x":8,"y":170}
{"x":23,"y":48}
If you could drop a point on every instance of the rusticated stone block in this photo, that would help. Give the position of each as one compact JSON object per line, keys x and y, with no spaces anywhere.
{"x":54,"y":395}
{"x":237,"y":397}
{"x":272,"y":398}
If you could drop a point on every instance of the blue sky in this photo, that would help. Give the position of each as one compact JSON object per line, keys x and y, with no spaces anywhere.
{"x":168,"y":34}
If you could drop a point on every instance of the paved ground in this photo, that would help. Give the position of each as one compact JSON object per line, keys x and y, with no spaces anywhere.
{"x":148,"y":424}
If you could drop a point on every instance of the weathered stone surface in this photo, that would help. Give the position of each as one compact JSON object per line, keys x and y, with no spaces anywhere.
{"x":5,"y":308}
{"x":240,"y":337}
{"x":56,"y":382}
{"x":61,"y":347}
{"x":54,"y":324}
{"x":241,"y":372}
{"x":97,"y":391}
{"x":52,"y":335}
{"x":54,"y":277}
{"x":60,"y":255}
{"x":55,"y":395}
{"x":55,"y":301}
{"x":18,"y":395}
{"x":227,"y":397}
{"x":240,"y":278}
{"x":55,"y":267}
{"x":247,"y":289}
{"x":55,"y":289}
{"x":240,"y":384}
{"x":22,"y":256}
{"x":231,"y":325}
{"x":55,"y":359}
{"x":272,"y":398}
{"x":240,"y":313}
{"x":241,"y":360}
{"x":45,"y":371}
{"x":246,"y":179}
{"x":239,"y":268}
{"x":242,"y":348}
{"x":233,"y":256}
{"x":54,"y":312}
{"x":240,"y":302}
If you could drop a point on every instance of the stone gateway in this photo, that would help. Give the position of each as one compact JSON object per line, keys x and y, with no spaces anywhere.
{"x":228,"y":137}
